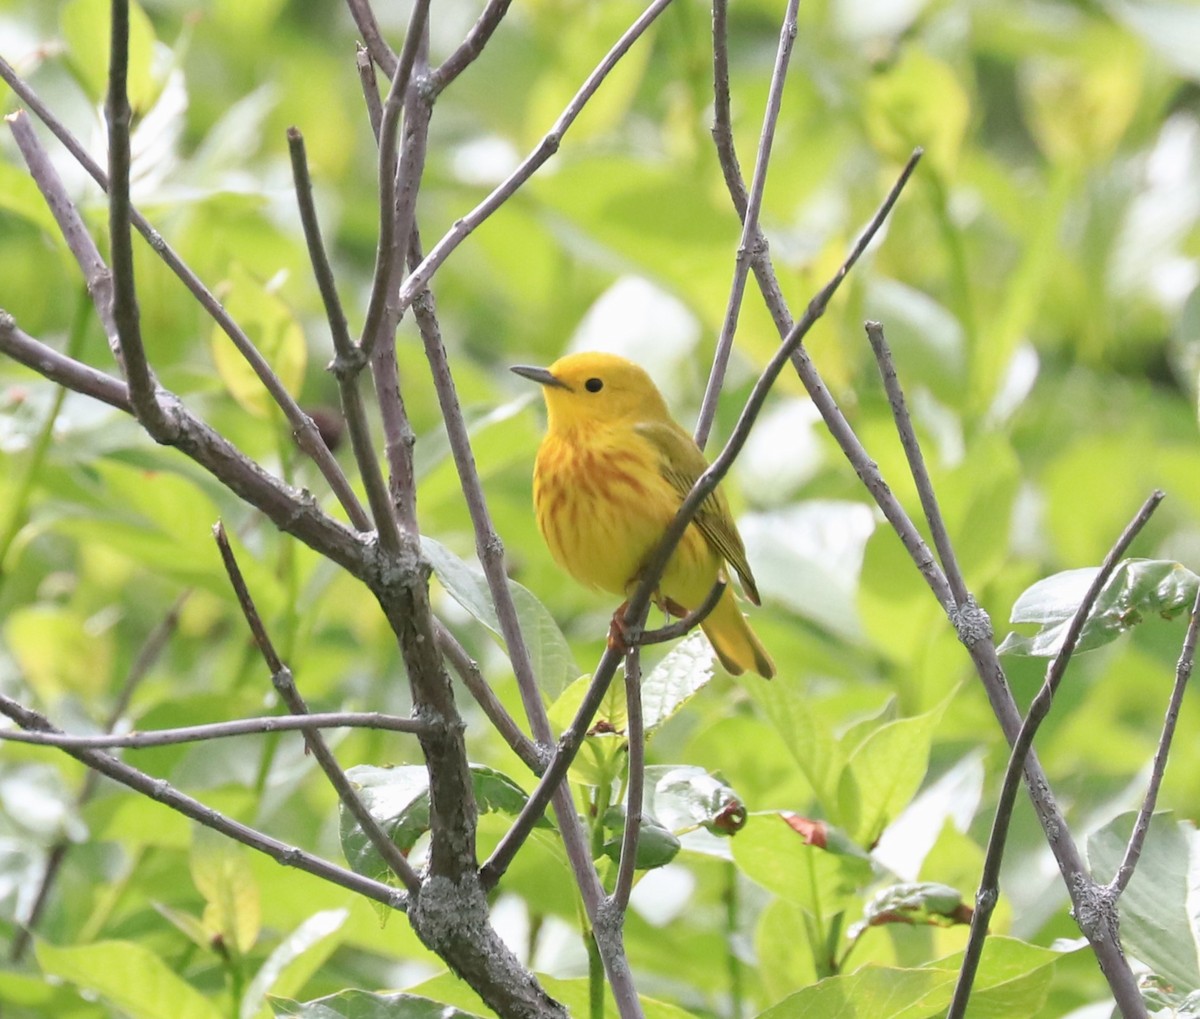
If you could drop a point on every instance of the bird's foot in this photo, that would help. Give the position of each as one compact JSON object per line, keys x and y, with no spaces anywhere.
{"x":621,"y":635}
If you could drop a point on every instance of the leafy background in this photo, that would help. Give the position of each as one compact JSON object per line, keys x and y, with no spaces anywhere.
{"x":1038,"y":284}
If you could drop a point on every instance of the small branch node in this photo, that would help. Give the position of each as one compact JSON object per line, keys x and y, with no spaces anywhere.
{"x":1095,"y":910}
{"x":972,"y":624}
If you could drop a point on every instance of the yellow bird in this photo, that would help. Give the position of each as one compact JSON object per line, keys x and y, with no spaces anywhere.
{"x":611,"y":473}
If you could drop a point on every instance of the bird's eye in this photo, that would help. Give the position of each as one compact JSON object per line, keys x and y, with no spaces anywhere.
{"x":594,"y":385}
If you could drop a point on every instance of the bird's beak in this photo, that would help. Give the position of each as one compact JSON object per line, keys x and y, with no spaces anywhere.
{"x":542,"y":376}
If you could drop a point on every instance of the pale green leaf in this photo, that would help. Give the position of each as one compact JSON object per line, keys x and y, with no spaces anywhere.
{"x":129,"y":976}
{"x":553,"y":664}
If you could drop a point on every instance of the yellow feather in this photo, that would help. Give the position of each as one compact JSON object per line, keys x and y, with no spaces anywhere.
{"x":611,"y":473}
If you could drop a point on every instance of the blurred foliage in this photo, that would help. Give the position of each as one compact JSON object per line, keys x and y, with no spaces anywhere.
{"x":1038,"y":283}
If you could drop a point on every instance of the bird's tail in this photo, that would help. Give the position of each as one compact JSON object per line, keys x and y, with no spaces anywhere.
{"x":737,"y":646}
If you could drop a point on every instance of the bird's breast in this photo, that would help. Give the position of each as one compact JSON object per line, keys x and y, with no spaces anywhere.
{"x":602,"y":504}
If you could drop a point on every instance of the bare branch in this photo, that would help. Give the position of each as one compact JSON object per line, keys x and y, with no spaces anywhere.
{"x":488,"y":545}
{"x":348,"y":360}
{"x":916,"y":464}
{"x":70,"y":224}
{"x":722,"y":130}
{"x":307,"y":436}
{"x":751,"y":234}
{"x":66,"y":371}
{"x":688,"y":622}
{"x":218,"y":730}
{"x":635,"y":790}
{"x":368,"y":28}
{"x":160,"y":790}
{"x":143,"y":389}
{"x":985,"y":901}
{"x":397,"y":430}
{"x":1183,"y":671}
{"x":393,"y":226}
{"x":370,"y":90}
{"x":281,"y":678}
{"x":419,"y":278}
{"x":470,"y":48}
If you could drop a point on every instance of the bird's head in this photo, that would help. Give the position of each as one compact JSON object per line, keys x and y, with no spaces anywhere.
{"x":590,"y":389}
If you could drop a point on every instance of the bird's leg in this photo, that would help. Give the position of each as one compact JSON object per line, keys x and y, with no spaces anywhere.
{"x":671,"y":607}
{"x":619,"y":635}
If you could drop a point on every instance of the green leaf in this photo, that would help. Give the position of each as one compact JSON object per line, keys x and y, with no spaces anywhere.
{"x":553,"y":664}
{"x":86,"y":27}
{"x":884,"y":773}
{"x":275,"y":332}
{"x":398,"y":799}
{"x":221,"y":872}
{"x":683,"y":673}
{"x":1138,"y":588}
{"x":685,"y":797}
{"x":294,"y":960}
{"x":772,"y":854}
{"x":921,"y":902}
{"x":57,"y":651}
{"x":1012,"y":981}
{"x":918,"y":101}
{"x":1160,"y":918}
{"x":129,"y":976}
{"x":785,"y":703}
{"x":364,"y":1005}
{"x":656,"y":846}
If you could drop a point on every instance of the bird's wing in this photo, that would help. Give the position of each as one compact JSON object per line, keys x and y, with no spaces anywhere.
{"x":682,"y":463}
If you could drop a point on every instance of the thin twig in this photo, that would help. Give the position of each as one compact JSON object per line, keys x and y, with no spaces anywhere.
{"x":372,"y":37}
{"x":916,"y":464}
{"x":688,"y":622}
{"x":505,"y":725}
{"x":399,"y":438}
{"x":470,"y":48}
{"x":635,"y":734}
{"x":219,"y":730}
{"x":1183,"y":671}
{"x":163,"y":792}
{"x":564,"y":753}
{"x":750,"y":229}
{"x":143,"y":389}
{"x":370,"y":89}
{"x":305,"y":431}
{"x":392,"y":244}
{"x":985,"y":900}
{"x":58,"y":367}
{"x":70,"y":224}
{"x":722,"y":129}
{"x":419,"y":278}
{"x":488,"y":545}
{"x":281,"y":677}
{"x":348,"y":360}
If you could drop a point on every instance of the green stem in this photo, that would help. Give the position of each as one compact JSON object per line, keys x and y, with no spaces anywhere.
{"x":595,"y":978}
{"x":736,"y":991}
{"x":18,"y":503}
{"x":601,"y":796}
